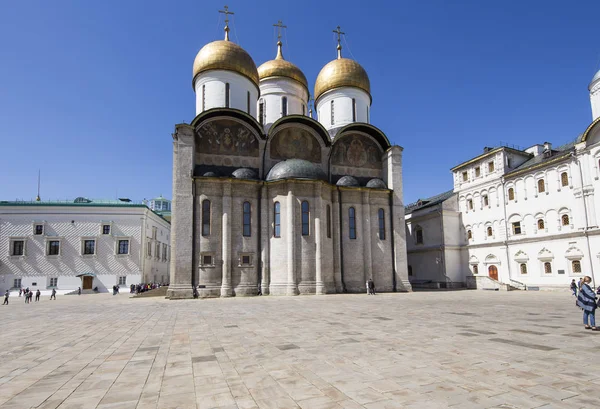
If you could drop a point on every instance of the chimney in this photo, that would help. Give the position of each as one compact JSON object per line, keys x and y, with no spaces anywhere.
{"x":547,"y":146}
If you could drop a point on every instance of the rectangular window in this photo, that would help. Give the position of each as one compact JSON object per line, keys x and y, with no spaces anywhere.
{"x":277,"y":220}
{"x":283,"y":106}
{"x":149,"y":249}
{"x":305,"y":219}
{"x":352,"y":223}
{"x":53,"y":282}
{"x":123,"y":247}
{"x":470,"y":203}
{"x":18,"y":248}
{"x":207,"y":260}
{"x":465,"y":176}
{"x":205,"y":217}
{"x":39,"y":229}
{"x":89,"y":247}
{"x":53,"y":248}
{"x":106,"y":229}
{"x":381,"y":215}
{"x":328,"y":221}
{"x":17,"y":283}
{"x":477,"y":171}
{"x":247,"y":219}
{"x":157,"y":250}
{"x":245,"y":260}
{"x":490,"y":167}
{"x":123,"y":280}
{"x":516,"y":227}
{"x":485,"y":201}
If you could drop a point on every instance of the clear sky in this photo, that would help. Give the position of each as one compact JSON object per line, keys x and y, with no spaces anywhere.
{"x":90,"y":90}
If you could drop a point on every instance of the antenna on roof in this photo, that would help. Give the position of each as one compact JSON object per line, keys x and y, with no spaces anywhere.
{"x":38,"y":199}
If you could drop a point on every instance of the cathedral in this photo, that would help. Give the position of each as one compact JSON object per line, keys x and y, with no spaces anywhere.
{"x":268,"y":200}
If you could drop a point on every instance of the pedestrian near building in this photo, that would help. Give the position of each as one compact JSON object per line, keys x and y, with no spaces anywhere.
{"x":20,"y":292}
{"x":574,"y":287}
{"x":587,"y":301}
{"x":371,"y":284}
{"x":53,"y":295}
{"x":79,"y":291}
{"x":37,"y":295}
{"x":6,"y":295}
{"x":26,"y":297}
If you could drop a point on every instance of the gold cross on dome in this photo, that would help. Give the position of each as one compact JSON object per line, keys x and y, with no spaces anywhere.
{"x":227,"y":13}
{"x":279,"y":26}
{"x":339,"y":40}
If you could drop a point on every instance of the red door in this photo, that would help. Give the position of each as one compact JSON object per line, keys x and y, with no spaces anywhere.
{"x":493,"y":272}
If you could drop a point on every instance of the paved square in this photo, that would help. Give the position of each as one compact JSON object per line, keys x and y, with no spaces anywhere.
{"x":465,"y":349}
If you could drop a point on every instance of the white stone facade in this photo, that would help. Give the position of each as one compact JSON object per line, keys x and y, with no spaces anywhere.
{"x":91,"y":240}
{"x":343,"y":106}
{"x":280,"y":96}
{"x":225,"y":89}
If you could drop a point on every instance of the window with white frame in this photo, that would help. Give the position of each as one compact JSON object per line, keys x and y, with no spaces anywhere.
{"x":511,"y":194}
{"x":490,"y":231}
{"x":88,"y":247}
{"x":486,"y":201}
{"x":564,"y":219}
{"x":576,"y":266}
{"x":207,"y":260}
{"x":53,"y":282}
{"x":245,"y":260}
{"x":540,"y":224}
{"x":475,"y":269}
{"x":53,"y":247}
{"x":547,"y":267}
{"x":541,"y":185}
{"x":523,"y":268}
{"x":149,"y":248}
{"x":491,"y":166}
{"x":38,"y":229}
{"x":477,"y":171}
{"x":516,"y":227}
{"x":122,"y":247}
{"x":465,"y":176}
{"x":17,"y":283}
{"x":106,"y":227}
{"x":122,"y":280}
{"x":564,"y":179}
{"x":470,"y":204}
{"x":17,"y":247}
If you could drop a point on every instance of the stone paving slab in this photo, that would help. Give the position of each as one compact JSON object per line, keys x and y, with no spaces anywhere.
{"x":464,"y":349}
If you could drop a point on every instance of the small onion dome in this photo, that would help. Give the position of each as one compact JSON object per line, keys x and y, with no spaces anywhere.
{"x":210,"y":175}
{"x":244,"y":173}
{"x":296,"y":169}
{"x":342,"y":72}
{"x":228,"y":56}
{"x":279,"y":67}
{"x":348,"y":181}
{"x":596,"y":78}
{"x":376,"y":184}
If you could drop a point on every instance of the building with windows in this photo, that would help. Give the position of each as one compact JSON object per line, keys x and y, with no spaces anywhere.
{"x":277,"y":200}
{"x":161,"y":206}
{"x":527,"y":217}
{"x":84,"y":243}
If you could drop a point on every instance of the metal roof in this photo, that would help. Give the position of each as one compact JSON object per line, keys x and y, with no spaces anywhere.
{"x":431,"y":201}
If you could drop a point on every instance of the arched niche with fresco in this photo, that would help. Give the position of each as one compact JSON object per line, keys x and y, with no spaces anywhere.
{"x":226,"y":144}
{"x":294,"y":140}
{"x":356,"y":154}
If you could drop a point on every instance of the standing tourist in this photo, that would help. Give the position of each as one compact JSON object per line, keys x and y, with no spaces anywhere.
{"x":79,"y":291}
{"x":20,"y":291}
{"x":53,"y":295}
{"x":26,"y":297}
{"x":371,"y":286}
{"x":37,"y":295}
{"x":6,"y":297}
{"x":587,"y":301}
{"x":574,"y":287}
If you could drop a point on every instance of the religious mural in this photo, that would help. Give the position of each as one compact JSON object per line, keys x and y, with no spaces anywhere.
{"x":295,"y":143}
{"x":356,"y":151}
{"x":226,"y":137}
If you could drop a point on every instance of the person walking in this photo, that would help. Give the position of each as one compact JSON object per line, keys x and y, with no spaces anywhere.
{"x":53,"y":295}
{"x":587,"y":301}
{"x":371,"y":286}
{"x":574,"y":287}
{"x":37,"y":295}
{"x":26,"y":297}
{"x":6,"y":297}
{"x":79,"y":291}
{"x":20,"y":291}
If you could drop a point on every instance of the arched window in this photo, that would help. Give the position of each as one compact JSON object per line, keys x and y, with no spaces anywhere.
{"x":353,"y":110}
{"x":381,"y":215}
{"x":248,"y":101}
{"x":511,"y":194}
{"x":205,"y":217}
{"x":523,"y":268}
{"x":203,"y":96}
{"x":548,"y":267}
{"x":419,"y":235}
{"x":283,"y":106}
{"x":564,"y":179}
{"x":328,"y":221}
{"x":475,"y":269}
{"x":332,"y":115}
{"x":565,"y":219}
{"x":489,"y":231}
{"x":247,"y":209}
{"x":303,"y":110}
{"x":352,"y":223}
{"x":541,"y":186}
{"x":277,"y":220}
{"x":227,"y":95}
{"x":261,"y":111}
{"x":486,"y":201}
{"x":410,"y":271}
{"x":470,"y":204}
{"x":469,"y":234}
{"x":305,"y":218}
{"x":540,"y":224}
{"x":576,"y":264}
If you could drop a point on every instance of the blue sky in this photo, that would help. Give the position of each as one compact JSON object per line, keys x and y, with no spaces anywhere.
{"x":91,"y":91}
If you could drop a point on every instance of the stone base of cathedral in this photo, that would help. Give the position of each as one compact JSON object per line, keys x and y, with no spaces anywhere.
{"x":179,"y":292}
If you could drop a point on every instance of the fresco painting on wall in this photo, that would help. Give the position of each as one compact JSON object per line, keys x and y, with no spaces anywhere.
{"x":225,"y":137}
{"x":295,"y":143}
{"x":356,"y":151}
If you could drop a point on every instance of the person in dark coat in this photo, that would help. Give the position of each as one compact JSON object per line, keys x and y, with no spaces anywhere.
{"x":26,"y":297}
{"x":195,"y":292}
{"x":6,"y":295}
{"x":586,"y":300}
{"x":79,"y":291}
{"x":371,"y":286}
{"x":574,"y":287}
{"x":53,"y":295}
{"x":37,"y":295}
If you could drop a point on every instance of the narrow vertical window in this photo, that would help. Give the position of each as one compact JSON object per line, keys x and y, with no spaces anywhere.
{"x":541,"y":186}
{"x":227,"y":95}
{"x":206,"y":217}
{"x":419,"y":234}
{"x":328,"y":221}
{"x":564,"y":179}
{"x":353,"y":110}
{"x":248,"y":101}
{"x":305,"y":218}
{"x":547,"y":268}
{"x":352,"y":223}
{"x":332,"y":116}
{"x":523,"y":268}
{"x":368,"y":114}
{"x":511,"y":194}
{"x":203,"y":97}
{"x":381,"y":215}
{"x":540,"y":224}
{"x":303,"y":110}
{"x":261,"y":112}
{"x":283,"y":106}
{"x":247,"y":209}
{"x":469,"y":234}
{"x":277,"y":220}
{"x":565,"y":219}
{"x":490,"y":232}
{"x":576,"y":264}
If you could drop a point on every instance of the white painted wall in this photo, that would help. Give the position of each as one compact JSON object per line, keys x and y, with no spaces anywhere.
{"x":271,"y":92}
{"x":595,"y":98}
{"x":214,"y":91}
{"x":342,"y":112}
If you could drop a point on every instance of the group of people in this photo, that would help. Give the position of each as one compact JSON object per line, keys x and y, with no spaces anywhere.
{"x":28,"y":294}
{"x":587,"y":301}
{"x":140,"y":288}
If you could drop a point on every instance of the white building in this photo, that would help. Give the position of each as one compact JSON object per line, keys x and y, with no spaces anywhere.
{"x":527,"y":218}
{"x":84,"y":243}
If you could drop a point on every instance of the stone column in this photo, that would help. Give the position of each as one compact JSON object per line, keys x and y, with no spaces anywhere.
{"x":226,"y":290}
{"x":319,"y":286}
{"x":265,"y":237}
{"x":336,"y":232}
{"x":392,"y":172}
{"x":182,"y":222}
{"x":292,"y":287}
{"x":366,"y":224}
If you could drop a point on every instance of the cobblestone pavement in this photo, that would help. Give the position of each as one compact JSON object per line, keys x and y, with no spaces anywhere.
{"x":465,"y":349}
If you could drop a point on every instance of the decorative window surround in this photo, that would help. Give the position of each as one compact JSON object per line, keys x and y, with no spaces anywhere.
{"x":82,"y":252}
{"x":245,"y":259}
{"x":47,"y":246}
{"x":36,"y":226}
{"x":109,"y":225}
{"x":118,"y":241}
{"x":207,"y":259}
{"x":11,"y":240}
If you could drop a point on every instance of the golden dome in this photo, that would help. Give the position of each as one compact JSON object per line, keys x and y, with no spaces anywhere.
{"x":225,"y":55}
{"x":342,"y":72}
{"x":279,"y":67}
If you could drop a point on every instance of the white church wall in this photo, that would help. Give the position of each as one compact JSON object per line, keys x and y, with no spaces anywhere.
{"x":272,"y":90}
{"x":342,"y":107}
{"x":214,"y":83}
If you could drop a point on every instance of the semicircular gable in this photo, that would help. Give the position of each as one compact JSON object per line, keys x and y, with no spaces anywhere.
{"x":592,"y":132}
{"x":229,"y":112}
{"x":227,"y":136}
{"x":304,"y":120}
{"x":295,"y":141}
{"x":356,"y":150}
{"x":376,"y":133}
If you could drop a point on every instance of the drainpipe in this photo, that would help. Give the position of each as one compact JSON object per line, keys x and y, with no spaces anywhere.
{"x":394,"y":284}
{"x":341,"y":240}
{"x":585,"y":229}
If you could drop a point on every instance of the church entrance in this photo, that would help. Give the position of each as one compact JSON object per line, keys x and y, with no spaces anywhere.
{"x":493,"y":271}
{"x":87,"y":283}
